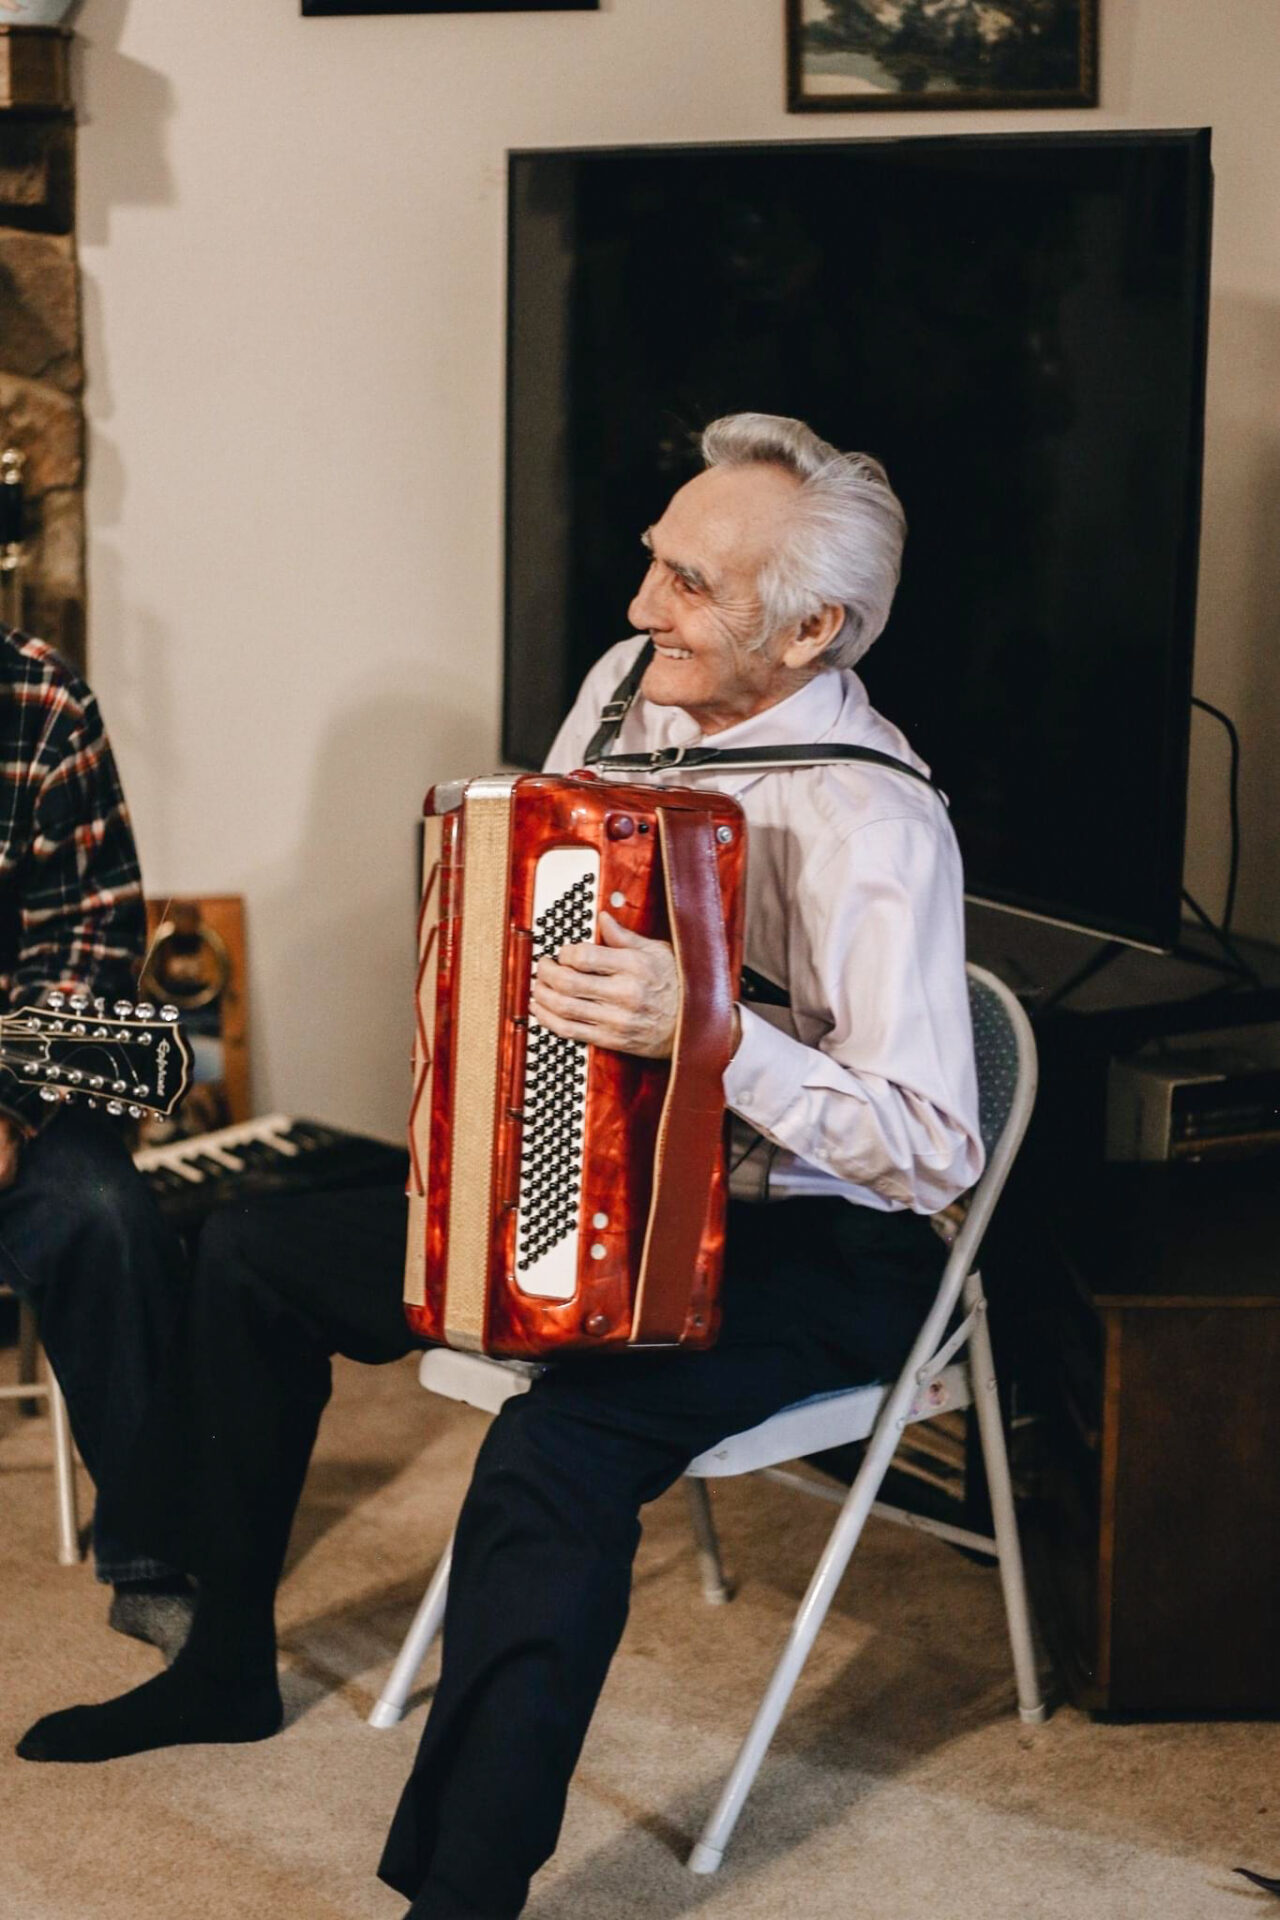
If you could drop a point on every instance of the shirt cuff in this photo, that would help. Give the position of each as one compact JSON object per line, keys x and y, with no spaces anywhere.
{"x":766,"y":1073}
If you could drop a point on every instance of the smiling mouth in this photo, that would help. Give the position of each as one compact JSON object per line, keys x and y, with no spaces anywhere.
{"x":672,"y":653}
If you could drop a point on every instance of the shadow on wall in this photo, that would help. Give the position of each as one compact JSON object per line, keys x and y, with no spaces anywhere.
{"x":331,"y":935}
{"x":123,"y":106}
{"x":1238,"y":624}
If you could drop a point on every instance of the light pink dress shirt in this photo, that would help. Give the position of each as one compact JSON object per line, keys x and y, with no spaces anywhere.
{"x":865,"y":1086}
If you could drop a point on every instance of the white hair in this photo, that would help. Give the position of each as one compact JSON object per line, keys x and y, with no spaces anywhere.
{"x":844,"y":545}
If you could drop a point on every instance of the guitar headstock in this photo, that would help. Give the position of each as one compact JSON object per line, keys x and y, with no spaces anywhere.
{"x":133,"y":1060}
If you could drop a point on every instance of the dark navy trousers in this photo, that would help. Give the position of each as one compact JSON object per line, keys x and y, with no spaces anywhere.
{"x":82,"y":1240}
{"x":819,"y":1296}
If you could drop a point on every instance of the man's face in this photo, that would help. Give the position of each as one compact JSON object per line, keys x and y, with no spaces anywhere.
{"x":699,"y":598}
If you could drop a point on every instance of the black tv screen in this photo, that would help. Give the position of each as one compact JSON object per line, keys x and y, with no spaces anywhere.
{"x":1016,"y":327}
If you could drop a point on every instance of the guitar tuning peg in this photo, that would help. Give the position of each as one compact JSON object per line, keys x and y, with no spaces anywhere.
{"x":135,"y":1113}
{"x":48,"y":1093}
{"x":91,"y":1102}
{"x":114,"y":1107}
{"x":78,"y":1002}
{"x":144,"y":1011}
{"x":57,"y":1000}
{"x":122,"y":1009}
{"x":99,"y":1006}
{"x":168,"y":1012}
{"x":118,"y":1086}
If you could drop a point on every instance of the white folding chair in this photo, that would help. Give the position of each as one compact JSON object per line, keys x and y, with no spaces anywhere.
{"x":944,"y":1370}
{"x":31,"y":1387}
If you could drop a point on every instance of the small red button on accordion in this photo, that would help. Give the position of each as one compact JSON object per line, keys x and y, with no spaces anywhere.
{"x":561,"y":1195}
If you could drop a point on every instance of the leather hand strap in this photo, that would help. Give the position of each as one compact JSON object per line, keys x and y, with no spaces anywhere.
{"x":691,"y":1128}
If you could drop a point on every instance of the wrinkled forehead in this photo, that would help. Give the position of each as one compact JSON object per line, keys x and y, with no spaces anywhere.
{"x":727,"y":522}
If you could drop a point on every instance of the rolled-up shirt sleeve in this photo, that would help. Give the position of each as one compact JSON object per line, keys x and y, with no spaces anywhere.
{"x":876,"y":1086}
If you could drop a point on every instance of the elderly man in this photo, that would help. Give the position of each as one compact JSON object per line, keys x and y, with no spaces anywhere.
{"x":769,"y":575}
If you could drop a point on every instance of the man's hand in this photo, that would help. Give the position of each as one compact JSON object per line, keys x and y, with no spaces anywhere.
{"x":623,"y":994}
{"x":10,"y":1151}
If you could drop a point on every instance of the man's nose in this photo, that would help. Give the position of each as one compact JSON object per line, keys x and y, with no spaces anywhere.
{"x":646,"y":610}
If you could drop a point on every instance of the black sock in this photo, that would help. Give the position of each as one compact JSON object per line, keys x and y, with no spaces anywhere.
{"x":157,"y":1583}
{"x":221,"y":1687}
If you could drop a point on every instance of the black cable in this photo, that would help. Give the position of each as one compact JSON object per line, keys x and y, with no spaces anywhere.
{"x":1234,"y":869}
{"x":1224,"y":940}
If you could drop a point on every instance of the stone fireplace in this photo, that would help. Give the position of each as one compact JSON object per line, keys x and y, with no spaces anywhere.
{"x":41,"y":355}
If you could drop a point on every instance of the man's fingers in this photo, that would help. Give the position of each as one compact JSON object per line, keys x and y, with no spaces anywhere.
{"x":592,"y":959}
{"x":9,"y":1157}
{"x":615,"y":935}
{"x":617,"y":988}
{"x":577,"y":1001}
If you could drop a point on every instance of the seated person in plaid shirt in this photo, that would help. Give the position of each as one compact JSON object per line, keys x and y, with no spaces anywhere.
{"x":79,"y":1235}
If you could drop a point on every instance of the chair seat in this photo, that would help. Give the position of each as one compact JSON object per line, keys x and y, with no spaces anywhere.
{"x":828,"y":1420}
{"x":474,"y":1378}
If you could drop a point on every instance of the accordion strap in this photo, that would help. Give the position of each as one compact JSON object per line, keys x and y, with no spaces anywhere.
{"x":691,"y":1127}
{"x":722,"y":759}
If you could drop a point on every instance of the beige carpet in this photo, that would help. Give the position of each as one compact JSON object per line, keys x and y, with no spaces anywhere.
{"x":901,"y":1786}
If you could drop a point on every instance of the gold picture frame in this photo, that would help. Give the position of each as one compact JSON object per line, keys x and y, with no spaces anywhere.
{"x":873,"y":56}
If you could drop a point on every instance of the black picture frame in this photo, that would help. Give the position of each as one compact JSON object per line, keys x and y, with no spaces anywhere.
{"x":320,"y":9}
{"x":899,"y":55}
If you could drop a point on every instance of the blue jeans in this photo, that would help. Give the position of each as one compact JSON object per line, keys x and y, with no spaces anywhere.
{"x":82,"y":1240}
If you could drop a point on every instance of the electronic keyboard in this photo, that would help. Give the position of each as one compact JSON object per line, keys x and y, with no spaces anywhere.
{"x":274,"y":1154}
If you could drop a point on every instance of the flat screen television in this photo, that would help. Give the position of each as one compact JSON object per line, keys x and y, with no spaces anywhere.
{"x":1017,"y":327}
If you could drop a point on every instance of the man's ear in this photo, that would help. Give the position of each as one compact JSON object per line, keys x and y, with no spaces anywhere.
{"x":813,"y":637}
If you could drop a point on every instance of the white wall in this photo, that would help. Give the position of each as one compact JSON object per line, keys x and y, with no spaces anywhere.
{"x":292,"y":238}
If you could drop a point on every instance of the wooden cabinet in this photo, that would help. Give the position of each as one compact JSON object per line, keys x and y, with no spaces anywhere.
{"x":1155,"y":1537}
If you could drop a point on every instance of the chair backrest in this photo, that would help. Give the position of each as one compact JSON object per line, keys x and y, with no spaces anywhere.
{"x":1005,"y":1053}
{"x":1001,"y":1050}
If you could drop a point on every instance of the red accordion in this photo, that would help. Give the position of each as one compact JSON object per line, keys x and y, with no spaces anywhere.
{"x":562,"y":1195}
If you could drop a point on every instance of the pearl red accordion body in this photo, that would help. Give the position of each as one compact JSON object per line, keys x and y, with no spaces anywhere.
{"x":565,"y":1196}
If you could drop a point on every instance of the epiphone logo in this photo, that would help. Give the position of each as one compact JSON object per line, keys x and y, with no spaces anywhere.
{"x":162,"y":1064}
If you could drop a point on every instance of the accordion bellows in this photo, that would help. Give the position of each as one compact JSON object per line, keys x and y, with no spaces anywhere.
{"x":562,"y":1195}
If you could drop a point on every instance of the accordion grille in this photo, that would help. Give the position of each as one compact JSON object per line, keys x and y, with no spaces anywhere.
{"x":555,"y":1092}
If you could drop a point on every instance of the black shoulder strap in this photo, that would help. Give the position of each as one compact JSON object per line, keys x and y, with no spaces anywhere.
{"x":724,"y":760}
{"x":615,"y":711}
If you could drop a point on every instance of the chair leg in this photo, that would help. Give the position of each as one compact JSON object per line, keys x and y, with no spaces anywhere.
{"x":28,"y":1354}
{"x":986,"y":1400}
{"x":426,"y":1625}
{"x":64,"y":1474}
{"x":827,"y":1575}
{"x":715,"y":1588}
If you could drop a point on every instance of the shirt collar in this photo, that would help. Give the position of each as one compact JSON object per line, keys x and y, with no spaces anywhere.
{"x":805,"y":717}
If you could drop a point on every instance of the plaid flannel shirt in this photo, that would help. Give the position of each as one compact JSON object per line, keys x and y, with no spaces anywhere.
{"x":71,"y":910}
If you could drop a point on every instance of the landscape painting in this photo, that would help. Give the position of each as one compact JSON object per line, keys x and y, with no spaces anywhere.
{"x":850,"y":55}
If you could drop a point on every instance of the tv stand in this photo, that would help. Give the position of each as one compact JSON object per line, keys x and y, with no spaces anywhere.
{"x":1127,"y":986}
{"x":1227,"y":962}
{"x":1137,"y":1308}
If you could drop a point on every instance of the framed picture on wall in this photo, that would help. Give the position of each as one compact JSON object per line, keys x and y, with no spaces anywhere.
{"x":316,"y":8}
{"x":851,"y":56}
